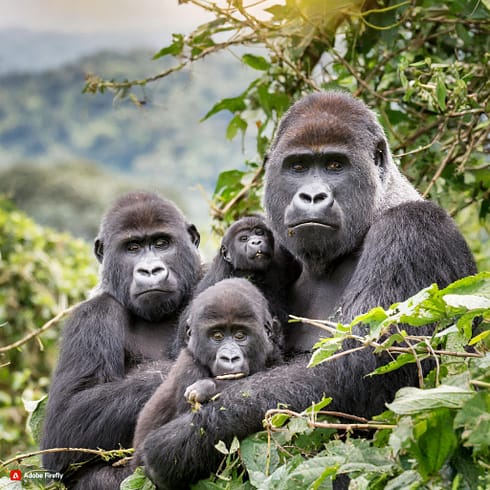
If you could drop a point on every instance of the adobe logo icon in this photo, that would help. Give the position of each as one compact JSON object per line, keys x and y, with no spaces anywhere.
{"x":16,"y":475}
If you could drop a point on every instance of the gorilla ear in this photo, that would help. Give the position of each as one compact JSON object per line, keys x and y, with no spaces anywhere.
{"x":99,"y":249}
{"x":272,"y":327}
{"x":380,"y":156}
{"x":224,"y":253}
{"x":195,"y":236}
{"x":188,"y":329}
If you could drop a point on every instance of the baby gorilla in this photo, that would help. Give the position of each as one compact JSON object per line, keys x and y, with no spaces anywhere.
{"x":248,"y":250}
{"x":229,"y":330}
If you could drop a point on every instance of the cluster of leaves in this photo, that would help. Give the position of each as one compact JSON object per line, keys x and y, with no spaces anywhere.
{"x":422,"y":64}
{"x":42,"y":273}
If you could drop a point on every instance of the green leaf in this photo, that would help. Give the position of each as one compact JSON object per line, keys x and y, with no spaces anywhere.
{"x":256,"y":62}
{"x":441,"y":92}
{"x":235,"y":125}
{"x":413,"y":400}
{"x":474,"y":418}
{"x":174,"y":49}
{"x":401,"y":360}
{"x":435,"y":441}
{"x":316,"y":407}
{"x":468,"y":301}
{"x":233,"y":104}
{"x":137,"y":481}
{"x":37,"y":412}
{"x":327,"y":347}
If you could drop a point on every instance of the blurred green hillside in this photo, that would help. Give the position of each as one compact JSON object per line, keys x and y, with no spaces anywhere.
{"x":65,"y":155}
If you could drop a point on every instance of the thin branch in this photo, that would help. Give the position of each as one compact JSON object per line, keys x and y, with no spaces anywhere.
{"x":323,"y":425}
{"x":40,"y":330}
{"x":96,"y":452}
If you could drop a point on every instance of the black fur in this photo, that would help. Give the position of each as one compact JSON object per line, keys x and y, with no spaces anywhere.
{"x":238,"y":313}
{"x":105,"y":371}
{"x":364,"y":237}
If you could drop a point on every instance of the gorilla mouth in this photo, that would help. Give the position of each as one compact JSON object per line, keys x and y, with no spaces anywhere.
{"x":261,"y":255}
{"x":231,"y":376}
{"x":310,"y":224}
{"x":154,"y":291}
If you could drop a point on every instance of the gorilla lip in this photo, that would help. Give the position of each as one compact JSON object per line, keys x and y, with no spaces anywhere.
{"x":305,"y":224}
{"x":149,"y":291}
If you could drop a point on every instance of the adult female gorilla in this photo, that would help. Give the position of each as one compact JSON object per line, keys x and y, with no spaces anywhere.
{"x":117,"y":346}
{"x":364,"y":238}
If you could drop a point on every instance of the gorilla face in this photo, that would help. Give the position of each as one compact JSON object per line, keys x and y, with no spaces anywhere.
{"x":324,"y":175}
{"x":149,"y":255}
{"x":248,"y":245}
{"x":229,"y":327}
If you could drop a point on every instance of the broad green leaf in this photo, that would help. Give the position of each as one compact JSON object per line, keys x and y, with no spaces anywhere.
{"x":137,"y":481}
{"x":474,"y":418}
{"x":37,"y":412}
{"x":327,"y":347}
{"x":468,"y":301}
{"x":407,"y":480}
{"x":478,"y":284}
{"x":414,"y":400}
{"x":232,"y":104}
{"x":256,"y":62}
{"x":435,"y":441}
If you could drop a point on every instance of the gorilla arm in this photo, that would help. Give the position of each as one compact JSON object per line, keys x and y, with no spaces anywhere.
{"x":91,"y":403}
{"x":411,"y":246}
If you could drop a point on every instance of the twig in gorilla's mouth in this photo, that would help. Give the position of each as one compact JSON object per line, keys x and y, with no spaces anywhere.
{"x":231,"y":376}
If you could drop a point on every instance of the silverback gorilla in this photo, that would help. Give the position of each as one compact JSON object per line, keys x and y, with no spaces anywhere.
{"x":230,"y":331}
{"x":364,"y":238}
{"x":150,"y":264}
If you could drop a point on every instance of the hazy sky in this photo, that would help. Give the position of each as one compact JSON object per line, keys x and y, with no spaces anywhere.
{"x":99,"y":15}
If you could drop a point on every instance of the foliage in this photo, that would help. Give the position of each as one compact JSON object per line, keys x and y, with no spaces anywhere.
{"x":42,"y":273}
{"x":422,"y":64}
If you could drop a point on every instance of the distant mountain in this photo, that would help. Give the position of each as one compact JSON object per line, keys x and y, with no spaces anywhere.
{"x":45,"y":119}
{"x":25,"y":51}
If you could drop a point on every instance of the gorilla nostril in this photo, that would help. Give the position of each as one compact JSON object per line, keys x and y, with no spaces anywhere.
{"x":319,"y":198}
{"x":143,"y":272}
{"x":157,"y":271}
{"x":305,"y":197}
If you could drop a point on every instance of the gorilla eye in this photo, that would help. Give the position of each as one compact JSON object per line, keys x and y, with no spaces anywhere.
{"x":133,"y":247}
{"x":161,"y":243}
{"x":298,"y":167}
{"x":334,"y":165}
{"x":259,"y":231}
{"x":217,"y":336}
{"x":243,"y":238}
{"x":240,"y":335}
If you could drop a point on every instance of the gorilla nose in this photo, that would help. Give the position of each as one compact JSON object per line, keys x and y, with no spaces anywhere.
{"x":313,"y":196}
{"x":154,"y":270}
{"x":256,"y":242}
{"x":230,"y":360}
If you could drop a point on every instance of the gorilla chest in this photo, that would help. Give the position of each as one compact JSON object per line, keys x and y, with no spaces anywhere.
{"x":317,"y":297}
{"x":148,"y":342}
